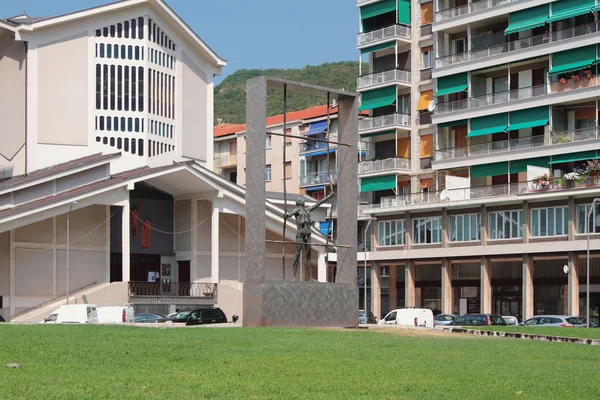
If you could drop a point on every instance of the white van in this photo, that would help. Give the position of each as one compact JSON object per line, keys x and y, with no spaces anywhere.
{"x":409,"y":317}
{"x":115,"y":314}
{"x":73,"y":314}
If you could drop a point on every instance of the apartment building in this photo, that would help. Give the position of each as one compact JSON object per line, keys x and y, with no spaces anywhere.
{"x":502,"y":98}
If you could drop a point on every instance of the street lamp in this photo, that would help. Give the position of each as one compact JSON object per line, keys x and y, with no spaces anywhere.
{"x":68,"y":239}
{"x":587,"y":276}
{"x":365,"y":267}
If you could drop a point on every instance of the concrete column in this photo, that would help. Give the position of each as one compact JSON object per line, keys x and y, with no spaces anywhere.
{"x":528,"y":309}
{"x":409,"y":284}
{"x":484,"y":225}
{"x":486,"y":286}
{"x":573,"y":289}
{"x":12,"y":271}
{"x":445,"y":227}
{"x":393,"y":301}
{"x":321,"y":267}
{"x":126,"y":240}
{"x":408,"y":233}
{"x":214,"y":243}
{"x":375,"y":290}
{"x":194,"y":241}
{"x":571,"y":220}
{"x":446,"y":287}
{"x":526,"y":222}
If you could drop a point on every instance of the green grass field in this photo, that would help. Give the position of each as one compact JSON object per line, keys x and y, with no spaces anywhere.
{"x":592,"y":333}
{"x":112,"y":362}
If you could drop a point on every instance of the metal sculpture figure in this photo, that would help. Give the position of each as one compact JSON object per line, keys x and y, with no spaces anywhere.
{"x":303,"y":225}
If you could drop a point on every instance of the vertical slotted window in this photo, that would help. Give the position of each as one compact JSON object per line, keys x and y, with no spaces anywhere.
{"x":126,"y":29}
{"x":98,"y":86}
{"x":133,"y":89}
{"x":112,"y":87}
{"x":137,"y":52}
{"x":129,"y":124}
{"x":119,"y":88}
{"x":162,"y":94}
{"x":168,"y":96}
{"x":116,"y":49}
{"x":112,"y":31}
{"x":173,"y":102}
{"x":126,"y":89}
{"x":162,"y":39}
{"x":123,"y":124}
{"x":130,"y":52}
{"x":133,"y":146}
{"x":133,"y":28}
{"x":109,"y":50}
{"x":149,"y":90}
{"x":142,"y":52}
{"x":105,"y":32}
{"x":119,"y":30}
{"x":150,"y":29}
{"x":137,"y":125}
{"x":101,"y":123}
{"x":98,"y":33}
{"x":140,"y":27}
{"x":154,"y":33}
{"x":119,"y":143}
{"x":116,"y":123}
{"x":140,"y":89}
{"x":108,"y":123}
{"x":126,"y":144}
{"x":101,"y":50}
{"x":105,"y":86}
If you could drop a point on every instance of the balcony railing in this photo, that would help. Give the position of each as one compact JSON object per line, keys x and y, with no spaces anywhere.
{"x":380,"y":78}
{"x":318,"y":179}
{"x":483,"y":192}
{"x":493,"y":98}
{"x":530,"y":142}
{"x":384,"y":121}
{"x":177,"y":289}
{"x":389,"y":32}
{"x":426,"y":30}
{"x":519,"y":44}
{"x":426,"y":74}
{"x":449,"y":13}
{"x":228,"y":160}
{"x":366,"y":167}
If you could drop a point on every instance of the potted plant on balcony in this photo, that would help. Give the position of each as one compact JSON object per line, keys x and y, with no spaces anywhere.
{"x":575,"y":77}
{"x":543,"y":181}
{"x":563,"y":80}
{"x":587,"y":73}
{"x":570,"y":179}
{"x":593,"y":172}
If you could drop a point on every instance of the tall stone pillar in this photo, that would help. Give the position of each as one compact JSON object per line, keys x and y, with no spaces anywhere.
{"x":375,"y":290}
{"x":393,"y":300}
{"x":486,"y":286}
{"x":573,"y":288}
{"x":409,"y":284}
{"x":126,"y":241}
{"x":528,"y":309}
{"x":446,"y":287}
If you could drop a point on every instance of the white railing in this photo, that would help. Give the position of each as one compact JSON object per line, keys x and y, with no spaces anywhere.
{"x":449,"y":13}
{"x":318,"y":178}
{"x":530,"y":142}
{"x":519,"y":44}
{"x":225,"y":160}
{"x":394,"y":75}
{"x":493,"y":98}
{"x":365,"y":167}
{"x":383,"y":121}
{"x":389,"y":32}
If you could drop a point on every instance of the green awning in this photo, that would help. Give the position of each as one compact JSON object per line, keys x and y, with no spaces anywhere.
{"x":392,"y":132}
{"x":564,"y":9}
{"x":570,"y":157}
{"x":376,"y":183}
{"x":494,"y":169}
{"x":529,"y":118}
{"x":378,"y":98}
{"x":404,"y":12}
{"x":452,"y":84}
{"x":596,"y":8}
{"x":453,"y":123}
{"x":528,"y":18}
{"x":488,"y":125}
{"x":377,"y":47}
{"x":573,"y":60}
{"x":376,"y":9}
{"x":517,"y":166}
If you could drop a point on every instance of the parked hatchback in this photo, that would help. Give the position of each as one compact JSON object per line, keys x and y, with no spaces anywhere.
{"x":206,"y":316}
{"x":511,"y":320}
{"x":444,"y":319}
{"x":554,"y":320}
{"x":478,"y":320}
{"x":150,"y":318}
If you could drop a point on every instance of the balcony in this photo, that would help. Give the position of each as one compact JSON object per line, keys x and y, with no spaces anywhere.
{"x":426,"y":30}
{"x":388,"y":164}
{"x":450,"y":13}
{"x":310,"y":146}
{"x":531,"y":142}
{"x":318,"y":178}
{"x":385,"y":121}
{"x":225,"y":160}
{"x":395,"y":76}
{"x":425,"y":74}
{"x":398,"y":32}
{"x":490,"y":99}
{"x":519,"y":44}
{"x":183,"y":293}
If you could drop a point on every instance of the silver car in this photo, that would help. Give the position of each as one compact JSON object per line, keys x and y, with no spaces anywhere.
{"x":553,"y":320}
{"x":511,"y":320}
{"x":444,"y":319}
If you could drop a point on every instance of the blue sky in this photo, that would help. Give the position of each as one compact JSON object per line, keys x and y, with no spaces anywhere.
{"x":248,"y":34}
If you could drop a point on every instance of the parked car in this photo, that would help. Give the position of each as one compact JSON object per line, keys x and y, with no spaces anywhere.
{"x":150,"y":318}
{"x":444,"y":319}
{"x":510,"y":320}
{"x":366,"y":319}
{"x":73,"y":314}
{"x":180,"y":317}
{"x":206,"y":316}
{"x":409,"y":317}
{"x":115,"y":314}
{"x":593,"y":322}
{"x":554,"y":320}
{"x":478,"y":320}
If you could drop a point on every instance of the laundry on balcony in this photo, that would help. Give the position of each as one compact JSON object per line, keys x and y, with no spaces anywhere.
{"x":317,"y":127}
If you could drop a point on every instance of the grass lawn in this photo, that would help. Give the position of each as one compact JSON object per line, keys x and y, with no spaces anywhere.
{"x":592,"y":333}
{"x":112,"y":362}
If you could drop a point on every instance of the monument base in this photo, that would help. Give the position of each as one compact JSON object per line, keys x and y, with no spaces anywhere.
{"x":307,"y":304}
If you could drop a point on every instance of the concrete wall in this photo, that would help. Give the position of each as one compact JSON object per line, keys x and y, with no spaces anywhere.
{"x":12,"y":106}
{"x":183,"y":242}
{"x":62,"y":95}
{"x":195,"y":139}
